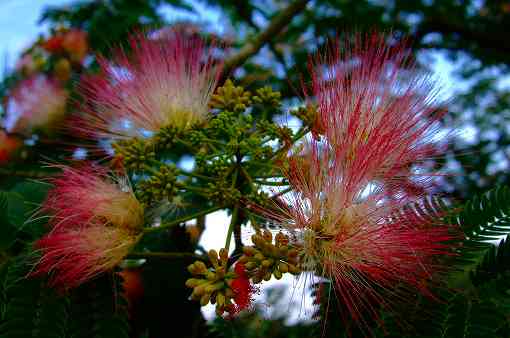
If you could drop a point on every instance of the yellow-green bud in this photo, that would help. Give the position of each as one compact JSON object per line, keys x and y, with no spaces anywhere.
{"x":205,"y":299}
{"x":267,"y":263}
{"x":283,"y":267}
{"x":220,"y":299}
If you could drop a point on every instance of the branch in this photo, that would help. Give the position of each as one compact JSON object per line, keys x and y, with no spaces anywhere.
{"x":168,"y":255}
{"x":24,"y":173}
{"x":277,"y":24}
{"x":183,"y":219}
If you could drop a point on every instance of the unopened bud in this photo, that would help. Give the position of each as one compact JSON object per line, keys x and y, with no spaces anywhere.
{"x":267,"y":263}
{"x":267,"y":276}
{"x":250,"y":251}
{"x":250,"y":265}
{"x":205,"y":299}
{"x":224,"y":255}
{"x":293,"y":269}
{"x":220,"y":299}
{"x":268,"y":236}
{"x":192,"y":282}
{"x":281,"y":240}
{"x":283,"y":267}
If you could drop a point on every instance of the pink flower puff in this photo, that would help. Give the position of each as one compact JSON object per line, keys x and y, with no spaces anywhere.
{"x":36,"y":103}
{"x":95,"y":219}
{"x":165,"y":81}
{"x":351,"y":210}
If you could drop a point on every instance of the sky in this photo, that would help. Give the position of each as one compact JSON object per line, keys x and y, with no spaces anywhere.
{"x":19,"y":28}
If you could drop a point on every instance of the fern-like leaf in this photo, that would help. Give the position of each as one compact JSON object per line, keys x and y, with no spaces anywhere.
{"x":30,"y":309}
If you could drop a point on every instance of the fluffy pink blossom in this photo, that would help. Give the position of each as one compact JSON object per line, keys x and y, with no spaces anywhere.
{"x":165,"y":81}
{"x":95,"y":219}
{"x":351,"y":210}
{"x":35,"y":103}
{"x":89,"y":196}
{"x":374,"y":103}
{"x":74,"y":256}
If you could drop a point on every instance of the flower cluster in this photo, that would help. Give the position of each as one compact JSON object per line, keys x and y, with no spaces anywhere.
{"x":35,"y":103}
{"x":231,"y":291}
{"x":354,"y":185}
{"x":95,"y":221}
{"x":167,"y":81}
{"x":38,"y":98}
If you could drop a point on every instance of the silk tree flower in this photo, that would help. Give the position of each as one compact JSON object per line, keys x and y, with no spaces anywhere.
{"x":95,"y":220}
{"x":35,"y":103}
{"x":74,"y":256}
{"x":165,"y":82}
{"x":351,"y":211}
{"x":89,"y":196}
{"x":374,"y":102}
{"x":374,"y":247}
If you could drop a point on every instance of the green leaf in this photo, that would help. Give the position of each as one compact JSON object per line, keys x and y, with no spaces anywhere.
{"x":30,"y":308}
{"x":99,"y":310}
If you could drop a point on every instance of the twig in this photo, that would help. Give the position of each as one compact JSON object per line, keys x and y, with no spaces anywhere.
{"x":168,"y":255}
{"x":277,"y":24}
{"x":24,"y":173}
{"x":182,"y":219}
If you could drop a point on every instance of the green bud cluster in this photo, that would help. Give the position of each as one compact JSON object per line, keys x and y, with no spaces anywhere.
{"x":260,"y":198}
{"x":196,"y":137}
{"x":266,"y":259}
{"x":134,"y":153}
{"x":231,"y":98}
{"x":162,"y":185}
{"x":221,"y":123}
{"x":165,"y":138}
{"x":216,"y":167}
{"x":266,"y":96}
{"x":212,"y":285}
{"x":222,"y":192}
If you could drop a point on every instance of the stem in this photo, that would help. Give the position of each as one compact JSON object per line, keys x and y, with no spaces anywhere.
{"x":233,"y":222}
{"x":187,"y":144}
{"x":25,"y":173}
{"x":169,"y":255}
{"x":246,"y":175}
{"x":182,"y":219}
{"x":276,"y":26}
{"x":202,"y":177}
{"x":276,"y":184}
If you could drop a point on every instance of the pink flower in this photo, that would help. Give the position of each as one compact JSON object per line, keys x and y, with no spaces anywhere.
{"x":164,"y":82}
{"x":351,"y":210}
{"x":35,"y":103}
{"x":74,"y":256}
{"x":89,"y":196}
{"x":353,"y":231}
{"x":374,"y":103}
{"x":95,"y":219}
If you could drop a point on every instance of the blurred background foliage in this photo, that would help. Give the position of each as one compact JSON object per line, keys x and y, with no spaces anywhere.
{"x":471,"y":36}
